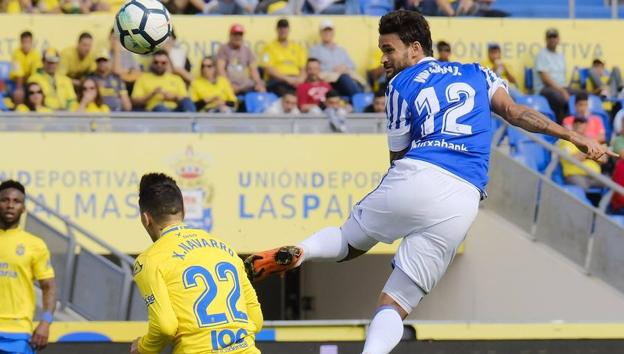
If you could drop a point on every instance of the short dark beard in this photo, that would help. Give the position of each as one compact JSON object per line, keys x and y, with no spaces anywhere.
{"x":6,"y":225}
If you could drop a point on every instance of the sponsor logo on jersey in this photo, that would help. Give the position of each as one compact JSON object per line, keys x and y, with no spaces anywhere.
{"x":19,"y":250}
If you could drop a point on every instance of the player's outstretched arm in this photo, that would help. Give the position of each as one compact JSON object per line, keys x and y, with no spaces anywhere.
{"x":533,"y":121}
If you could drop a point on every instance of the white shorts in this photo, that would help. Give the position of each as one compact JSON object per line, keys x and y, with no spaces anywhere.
{"x":430,"y":208}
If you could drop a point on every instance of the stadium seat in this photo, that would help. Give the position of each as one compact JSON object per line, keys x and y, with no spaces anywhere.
{"x":579,"y":78}
{"x":528,"y":79}
{"x":577,"y":192}
{"x":618,"y":219}
{"x":557,"y":175}
{"x":5,"y":69}
{"x":361,"y":101}
{"x":376,"y":7}
{"x":525,"y":150}
{"x":257,"y":102}
{"x":538,"y":103}
{"x":3,"y":107}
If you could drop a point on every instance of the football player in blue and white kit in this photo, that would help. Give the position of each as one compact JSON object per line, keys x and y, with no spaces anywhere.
{"x":439,"y":134}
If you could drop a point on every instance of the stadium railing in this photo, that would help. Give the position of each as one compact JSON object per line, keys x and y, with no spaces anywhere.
{"x":582,"y":233}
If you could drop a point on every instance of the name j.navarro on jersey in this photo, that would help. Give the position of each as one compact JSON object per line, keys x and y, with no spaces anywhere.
{"x":434,"y":68}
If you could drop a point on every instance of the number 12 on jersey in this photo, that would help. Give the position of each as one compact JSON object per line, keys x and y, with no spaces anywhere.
{"x":427,"y":102}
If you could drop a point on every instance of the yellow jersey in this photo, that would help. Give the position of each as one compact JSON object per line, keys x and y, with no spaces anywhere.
{"x":23,"y":259}
{"x":148,"y":82}
{"x":92,"y":107}
{"x":58,"y":90}
{"x":197,"y":295}
{"x":202,"y":88}
{"x":568,"y":168}
{"x":24,"y":64}
{"x":22,"y":108}
{"x":286,"y":60}
{"x":74,"y":67}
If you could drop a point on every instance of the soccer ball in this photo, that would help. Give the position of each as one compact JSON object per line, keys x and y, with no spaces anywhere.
{"x":143,"y":26}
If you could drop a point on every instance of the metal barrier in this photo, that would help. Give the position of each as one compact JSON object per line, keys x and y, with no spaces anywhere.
{"x":96,"y":287}
{"x":582,"y":233}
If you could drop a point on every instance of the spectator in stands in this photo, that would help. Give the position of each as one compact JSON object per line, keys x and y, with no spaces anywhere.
{"x":378,"y":105}
{"x":287,"y":104}
{"x":495,"y":63}
{"x":83,"y":6}
{"x":77,"y":62}
{"x":123,"y":61}
{"x":283,"y":61}
{"x":28,"y":6}
{"x":375,"y":74}
{"x":212,"y":92}
{"x":230,"y":7}
{"x":112,"y":88}
{"x":336,"y":111}
{"x":89,"y":98}
{"x":161,"y":91}
{"x":180,"y":64}
{"x":617,"y":145}
{"x":237,"y":62}
{"x":25,"y":259}
{"x":571,"y":173}
{"x":437,"y":7}
{"x":57,"y":88}
{"x":603,"y":82}
{"x":550,"y":72}
{"x":595,"y":128}
{"x":34,"y":100}
{"x":311,"y":93}
{"x":444,"y":51}
{"x":24,"y":62}
{"x":337,"y":68}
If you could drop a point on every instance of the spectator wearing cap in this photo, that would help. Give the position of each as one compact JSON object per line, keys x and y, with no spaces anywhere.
{"x":77,"y":62}
{"x":287,"y":104}
{"x":495,"y":63}
{"x":283,"y":60}
{"x":237,"y":62}
{"x":550,"y":75}
{"x":444,"y":51}
{"x":212,"y":92}
{"x":311,"y":93}
{"x":159,"y":90}
{"x":337,"y":68}
{"x":180,"y":64}
{"x":57,"y":88}
{"x":604,"y":82}
{"x":111,"y":86}
{"x":571,"y":173}
{"x":594,"y":127}
{"x":24,"y":62}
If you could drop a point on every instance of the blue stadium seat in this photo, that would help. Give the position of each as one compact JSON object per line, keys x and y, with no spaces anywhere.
{"x":257,"y":102}
{"x":527,"y":151}
{"x":583,"y":77}
{"x":361,"y":100}
{"x":538,"y":103}
{"x":376,"y":7}
{"x":577,"y":192}
{"x":3,"y":107}
{"x":618,"y":219}
{"x":5,"y":70}
{"x":528,"y":79}
{"x":557,"y":175}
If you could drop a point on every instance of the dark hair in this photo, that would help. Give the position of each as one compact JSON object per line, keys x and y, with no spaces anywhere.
{"x":581,"y":96}
{"x":27,"y":100}
{"x":380,"y":93}
{"x":161,"y":52}
{"x":282,"y":22}
{"x":332,"y":93}
{"x":98,"y":97}
{"x":289,"y":92}
{"x":26,"y":34}
{"x":160,"y":196}
{"x":597,"y":62}
{"x":313,"y":60}
{"x":84,"y":35}
{"x":493,"y":46}
{"x":443,"y":45}
{"x":12,"y":184}
{"x":410,"y":26}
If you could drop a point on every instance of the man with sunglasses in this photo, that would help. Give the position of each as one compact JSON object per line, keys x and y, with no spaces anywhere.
{"x":161,"y":91}
{"x":57,"y":88}
{"x":112,"y":87}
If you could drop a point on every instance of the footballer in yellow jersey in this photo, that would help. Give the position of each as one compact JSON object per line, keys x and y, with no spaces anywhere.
{"x":194,"y":285}
{"x":23,"y":258}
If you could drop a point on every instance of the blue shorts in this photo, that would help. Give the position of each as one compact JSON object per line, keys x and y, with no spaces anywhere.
{"x":15,"y":343}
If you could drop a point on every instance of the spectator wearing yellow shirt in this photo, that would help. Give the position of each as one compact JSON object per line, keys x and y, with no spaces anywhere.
{"x":24,"y":62}
{"x":77,"y":62}
{"x":34,"y":100}
{"x":375,"y":73}
{"x":161,"y":91}
{"x":571,"y":173}
{"x":57,"y":88}
{"x":495,"y":63}
{"x":90,"y":99}
{"x":284,"y":61}
{"x":212,"y":92}
{"x":27,"y":6}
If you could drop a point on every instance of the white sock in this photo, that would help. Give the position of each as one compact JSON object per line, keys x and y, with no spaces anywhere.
{"x":325,"y":245}
{"x":385,"y":331}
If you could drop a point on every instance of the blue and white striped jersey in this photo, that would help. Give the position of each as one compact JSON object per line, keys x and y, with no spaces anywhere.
{"x":442,"y":109}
